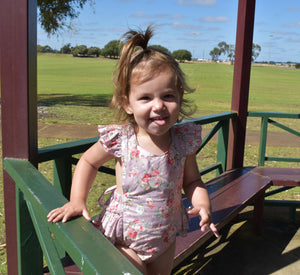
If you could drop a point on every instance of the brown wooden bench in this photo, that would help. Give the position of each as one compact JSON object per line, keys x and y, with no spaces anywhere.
{"x":230,"y":193}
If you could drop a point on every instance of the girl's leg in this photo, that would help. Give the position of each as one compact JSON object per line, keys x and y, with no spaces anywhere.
{"x":164,"y":263}
{"x":133,"y":258}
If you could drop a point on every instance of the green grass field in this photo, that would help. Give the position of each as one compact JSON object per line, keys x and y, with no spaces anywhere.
{"x":78,"y":91}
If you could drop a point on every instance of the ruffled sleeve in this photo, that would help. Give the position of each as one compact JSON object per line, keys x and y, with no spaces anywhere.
{"x":188,"y":137}
{"x":110,"y":138}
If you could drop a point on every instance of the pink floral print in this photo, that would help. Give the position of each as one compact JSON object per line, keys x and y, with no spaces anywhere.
{"x":150,"y":213}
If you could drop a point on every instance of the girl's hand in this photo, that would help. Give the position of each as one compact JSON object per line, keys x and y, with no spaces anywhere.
{"x":70,"y":209}
{"x":205,"y":220}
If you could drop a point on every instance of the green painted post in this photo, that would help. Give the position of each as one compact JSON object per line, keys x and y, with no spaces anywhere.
{"x":62,"y":180}
{"x":223,"y":145}
{"x":263,"y":141}
{"x":62,"y":175}
{"x":30,"y":256}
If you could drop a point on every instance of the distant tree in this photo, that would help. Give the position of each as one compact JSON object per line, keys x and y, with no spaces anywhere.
{"x":111,"y":49}
{"x":44,"y":49}
{"x":297,"y":65}
{"x":182,"y":55}
{"x":255,"y":51}
{"x":53,"y":14}
{"x":39,"y":48}
{"x":80,"y":51}
{"x":66,"y":49}
{"x":215,"y":53}
{"x":159,"y":47}
{"x":94,"y":51}
{"x":227,"y":50}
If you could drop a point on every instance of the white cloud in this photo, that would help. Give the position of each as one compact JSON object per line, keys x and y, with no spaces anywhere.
{"x":294,"y":40}
{"x":178,"y":25}
{"x":178,"y":16}
{"x":197,"y":2}
{"x":194,"y":34}
{"x":215,"y":19}
{"x":284,"y":32}
{"x":141,"y":14}
{"x":293,"y":24}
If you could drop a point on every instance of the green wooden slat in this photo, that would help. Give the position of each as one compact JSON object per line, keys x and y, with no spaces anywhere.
{"x":283,"y":127}
{"x":217,"y":166}
{"x":210,"y":135}
{"x":68,"y":148}
{"x":222,"y":151}
{"x":212,"y":118}
{"x":62,"y":175}
{"x":30,"y":255}
{"x":282,"y":159}
{"x":51,"y":254}
{"x":263,"y":141}
{"x":285,"y":203}
{"x":273,"y":114}
{"x":88,"y":248}
{"x":278,"y":190}
{"x":103,"y":169}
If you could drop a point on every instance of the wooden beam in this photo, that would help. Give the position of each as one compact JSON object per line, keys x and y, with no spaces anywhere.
{"x":18,"y":107}
{"x":241,"y":80}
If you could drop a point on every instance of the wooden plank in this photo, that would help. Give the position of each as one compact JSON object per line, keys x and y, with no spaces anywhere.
{"x":280,"y":176}
{"x":229,"y":193}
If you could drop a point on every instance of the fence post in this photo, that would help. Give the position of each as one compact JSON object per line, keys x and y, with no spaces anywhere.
{"x":263,"y":140}
{"x":223,"y":145}
{"x":19,"y":126}
{"x":241,"y":79}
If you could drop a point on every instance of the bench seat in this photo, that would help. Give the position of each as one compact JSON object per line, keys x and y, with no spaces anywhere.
{"x":230,"y":193}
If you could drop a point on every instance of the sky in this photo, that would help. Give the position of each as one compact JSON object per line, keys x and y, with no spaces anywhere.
{"x":194,"y":25}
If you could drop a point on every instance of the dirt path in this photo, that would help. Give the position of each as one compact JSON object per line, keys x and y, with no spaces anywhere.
{"x":87,"y":131}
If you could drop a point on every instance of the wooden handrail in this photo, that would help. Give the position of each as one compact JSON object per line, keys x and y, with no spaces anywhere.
{"x":79,"y":238}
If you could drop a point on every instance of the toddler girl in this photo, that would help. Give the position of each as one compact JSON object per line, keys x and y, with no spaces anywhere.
{"x":154,"y":160}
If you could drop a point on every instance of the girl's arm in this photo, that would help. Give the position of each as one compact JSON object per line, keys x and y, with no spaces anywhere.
{"x":196,"y":192}
{"x":83,"y":178}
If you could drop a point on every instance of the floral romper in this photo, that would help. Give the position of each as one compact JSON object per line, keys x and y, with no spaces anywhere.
{"x":149,"y":214}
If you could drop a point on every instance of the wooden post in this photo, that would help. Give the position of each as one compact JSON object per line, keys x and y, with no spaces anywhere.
{"x":241,"y":80}
{"x":19,"y":122}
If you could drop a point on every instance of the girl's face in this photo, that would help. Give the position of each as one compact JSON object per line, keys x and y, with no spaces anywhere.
{"x":155,"y":104}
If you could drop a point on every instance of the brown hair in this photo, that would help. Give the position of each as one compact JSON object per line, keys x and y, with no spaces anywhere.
{"x":136,"y":59}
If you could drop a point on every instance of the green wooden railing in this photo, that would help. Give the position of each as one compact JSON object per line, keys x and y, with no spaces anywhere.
{"x":90,"y":251}
{"x":266,"y":119}
{"x":62,"y":154}
{"x":77,"y":238}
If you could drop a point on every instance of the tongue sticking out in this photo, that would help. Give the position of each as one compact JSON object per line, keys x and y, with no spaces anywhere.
{"x":159,"y":121}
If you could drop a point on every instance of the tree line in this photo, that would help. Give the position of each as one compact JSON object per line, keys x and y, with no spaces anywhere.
{"x":110,"y":50}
